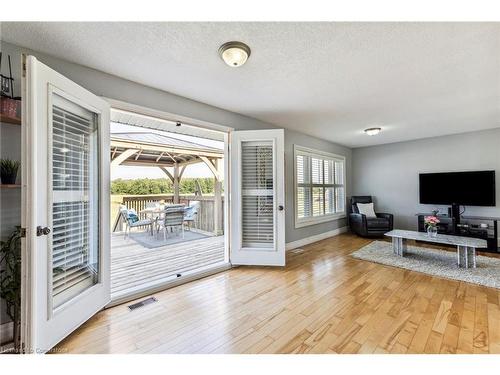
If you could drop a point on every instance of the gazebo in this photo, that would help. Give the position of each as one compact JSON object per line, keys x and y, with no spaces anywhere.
{"x":149,"y":149}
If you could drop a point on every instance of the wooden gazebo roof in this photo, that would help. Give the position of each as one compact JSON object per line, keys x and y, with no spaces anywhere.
{"x":157,"y":150}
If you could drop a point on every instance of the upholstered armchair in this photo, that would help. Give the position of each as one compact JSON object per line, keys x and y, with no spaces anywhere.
{"x":368,"y":226}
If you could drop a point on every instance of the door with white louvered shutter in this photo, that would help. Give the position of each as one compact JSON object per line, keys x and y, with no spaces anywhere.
{"x":257,"y":198}
{"x":66,"y":254}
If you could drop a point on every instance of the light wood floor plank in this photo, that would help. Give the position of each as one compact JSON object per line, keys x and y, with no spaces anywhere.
{"x":323,"y":301}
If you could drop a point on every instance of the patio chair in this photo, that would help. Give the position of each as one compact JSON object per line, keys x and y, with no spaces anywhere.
{"x":174,"y":218}
{"x":132,"y":220}
{"x":191,"y":213}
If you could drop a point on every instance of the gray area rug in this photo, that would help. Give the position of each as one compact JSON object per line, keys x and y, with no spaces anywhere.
{"x":145,"y":239}
{"x":433,"y":262}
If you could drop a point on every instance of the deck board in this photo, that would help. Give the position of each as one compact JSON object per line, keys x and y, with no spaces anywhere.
{"x":133,"y":265}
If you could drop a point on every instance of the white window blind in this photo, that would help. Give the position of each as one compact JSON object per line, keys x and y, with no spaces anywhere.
{"x":319,"y":186}
{"x":75,"y":176}
{"x":257,"y":191}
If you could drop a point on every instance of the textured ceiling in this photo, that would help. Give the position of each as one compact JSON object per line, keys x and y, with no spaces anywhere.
{"x":330,"y":80}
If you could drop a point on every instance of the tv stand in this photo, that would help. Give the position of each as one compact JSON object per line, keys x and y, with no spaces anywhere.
{"x":483,"y":227}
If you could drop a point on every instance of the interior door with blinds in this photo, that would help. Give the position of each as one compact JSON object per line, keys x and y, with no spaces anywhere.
{"x":257,"y":198}
{"x":66,"y":258}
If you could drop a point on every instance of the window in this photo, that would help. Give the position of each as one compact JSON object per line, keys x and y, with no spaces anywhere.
{"x":319,"y":186}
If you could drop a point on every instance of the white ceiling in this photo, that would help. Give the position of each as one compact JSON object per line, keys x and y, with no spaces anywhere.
{"x":329,"y":80}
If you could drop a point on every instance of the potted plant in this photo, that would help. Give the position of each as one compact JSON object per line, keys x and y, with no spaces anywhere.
{"x":431,"y":223}
{"x":10,"y":280}
{"x":8,"y":171}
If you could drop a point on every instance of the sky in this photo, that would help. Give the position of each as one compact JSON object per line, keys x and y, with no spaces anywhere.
{"x":134,"y":172}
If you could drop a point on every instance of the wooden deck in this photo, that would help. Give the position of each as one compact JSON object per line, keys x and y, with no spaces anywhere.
{"x":135,"y":266}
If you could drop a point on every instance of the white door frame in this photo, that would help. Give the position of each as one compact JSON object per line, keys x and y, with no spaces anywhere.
{"x":42,"y":327}
{"x":194,"y":123}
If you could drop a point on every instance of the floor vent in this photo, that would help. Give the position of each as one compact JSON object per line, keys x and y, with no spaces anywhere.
{"x":142,"y":303}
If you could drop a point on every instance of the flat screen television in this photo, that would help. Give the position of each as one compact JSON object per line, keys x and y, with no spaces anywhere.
{"x":475,"y":188}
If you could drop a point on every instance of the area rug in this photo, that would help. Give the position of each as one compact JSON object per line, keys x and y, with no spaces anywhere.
{"x":145,"y":239}
{"x":433,"y":262}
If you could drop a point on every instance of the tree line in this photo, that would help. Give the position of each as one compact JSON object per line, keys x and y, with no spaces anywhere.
{"x":143,"y":186}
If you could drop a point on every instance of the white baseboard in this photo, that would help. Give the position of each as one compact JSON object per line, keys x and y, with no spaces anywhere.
{"x":316,"y":238}
{"x":6,"y":332}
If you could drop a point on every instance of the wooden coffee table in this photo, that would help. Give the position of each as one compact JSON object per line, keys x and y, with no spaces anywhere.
{"x":466,"y":246}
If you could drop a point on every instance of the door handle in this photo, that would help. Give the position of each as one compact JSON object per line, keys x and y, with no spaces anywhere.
{"x":281,"y":208}
{"x":42,"y":231}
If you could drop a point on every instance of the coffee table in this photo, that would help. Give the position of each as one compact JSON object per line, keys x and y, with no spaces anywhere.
{"x":466,"y":246}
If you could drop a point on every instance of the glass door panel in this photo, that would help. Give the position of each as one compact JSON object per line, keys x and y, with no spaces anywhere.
{"x":74,"y":249}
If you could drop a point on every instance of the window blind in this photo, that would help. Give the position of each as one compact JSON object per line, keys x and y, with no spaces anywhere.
{"x":74,"y":241}
{"x":257,"y":171}
{"x":319,"y":185}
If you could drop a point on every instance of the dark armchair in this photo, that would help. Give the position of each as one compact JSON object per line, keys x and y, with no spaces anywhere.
{"x":368,"y":227}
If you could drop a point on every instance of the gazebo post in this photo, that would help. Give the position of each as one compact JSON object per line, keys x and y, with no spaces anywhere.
{"x":213,"y":165}
{"x":176,"y":183}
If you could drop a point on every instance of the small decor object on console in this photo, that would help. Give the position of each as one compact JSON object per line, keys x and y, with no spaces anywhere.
{"x":431,"y":223}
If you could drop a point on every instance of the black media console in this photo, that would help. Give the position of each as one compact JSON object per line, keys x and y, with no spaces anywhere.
{"x":483,"y":227}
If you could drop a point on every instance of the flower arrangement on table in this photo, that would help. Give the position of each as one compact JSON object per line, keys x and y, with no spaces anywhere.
{"x":431,"y":223}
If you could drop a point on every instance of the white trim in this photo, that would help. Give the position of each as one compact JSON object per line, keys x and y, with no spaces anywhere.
{"x":319,"y":219}
{"x":315,"y":238}
{"x":313,"y":152}
{"x":304,"y":222}
{"x":165,"y":116}
{"x":170,"y":282}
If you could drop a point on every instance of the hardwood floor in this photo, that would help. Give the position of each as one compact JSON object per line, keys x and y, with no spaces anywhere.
{"x":323,"y":301}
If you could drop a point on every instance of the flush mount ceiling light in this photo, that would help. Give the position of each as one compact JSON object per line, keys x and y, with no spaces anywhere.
{"x":234,"y":53}
{"x":373,"y":131}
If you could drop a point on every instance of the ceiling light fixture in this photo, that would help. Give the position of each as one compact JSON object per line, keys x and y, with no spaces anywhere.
{"x":234,"y":54}
{"x":373,"y":131}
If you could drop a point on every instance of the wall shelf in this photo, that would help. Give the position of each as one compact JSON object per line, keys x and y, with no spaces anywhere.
{"x":10,"y":186}
{"x":10,"y":120}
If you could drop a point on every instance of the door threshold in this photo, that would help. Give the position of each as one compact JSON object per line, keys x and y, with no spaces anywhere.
{"x":167,"y":283}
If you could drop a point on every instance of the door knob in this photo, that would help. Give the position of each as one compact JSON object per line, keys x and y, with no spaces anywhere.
{"x":281,"y":208}
{"x":42,"y":231}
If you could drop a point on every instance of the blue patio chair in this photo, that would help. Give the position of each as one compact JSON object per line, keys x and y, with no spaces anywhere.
{"x":132,"y":220}
{"x":191,"y":212}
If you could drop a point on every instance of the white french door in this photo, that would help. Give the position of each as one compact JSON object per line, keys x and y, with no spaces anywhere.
{"x":257,"y":198}
{"x":66,"y":252}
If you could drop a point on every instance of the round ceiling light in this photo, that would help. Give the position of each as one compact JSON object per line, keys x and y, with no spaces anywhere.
{"x":234,"y":53}
{"x":373,"y":131}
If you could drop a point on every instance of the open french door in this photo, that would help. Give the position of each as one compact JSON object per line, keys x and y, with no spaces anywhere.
{"x":66,"y":251}
{"x":257,"y":198}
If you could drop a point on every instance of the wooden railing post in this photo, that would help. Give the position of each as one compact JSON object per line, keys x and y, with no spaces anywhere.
{"x":218,"y":206}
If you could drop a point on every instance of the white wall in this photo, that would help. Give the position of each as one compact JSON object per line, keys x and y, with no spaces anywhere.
{"x":390,"y":172}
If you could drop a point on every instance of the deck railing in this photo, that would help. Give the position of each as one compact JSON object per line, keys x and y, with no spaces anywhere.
{"x":204,"y":219}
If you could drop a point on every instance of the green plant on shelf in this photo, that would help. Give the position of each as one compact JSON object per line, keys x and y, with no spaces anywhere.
{"x":8,"y":170}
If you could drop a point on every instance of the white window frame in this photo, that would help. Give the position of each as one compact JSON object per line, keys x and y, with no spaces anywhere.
{"x":303,"y":222}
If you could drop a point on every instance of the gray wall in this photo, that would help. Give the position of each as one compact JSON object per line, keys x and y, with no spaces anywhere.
{"x":390,"y":172}
{"x":120,"y":89}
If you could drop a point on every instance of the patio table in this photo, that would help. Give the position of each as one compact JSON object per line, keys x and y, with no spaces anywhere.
{"x":155,"y":212}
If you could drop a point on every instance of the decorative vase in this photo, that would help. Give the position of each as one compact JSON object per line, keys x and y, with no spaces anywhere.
{"x":432,"y":231}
